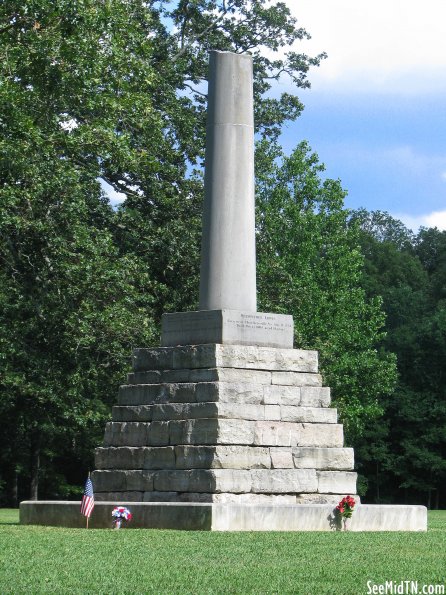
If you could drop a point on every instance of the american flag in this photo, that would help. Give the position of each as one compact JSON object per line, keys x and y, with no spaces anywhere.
{"x":88,"y":499}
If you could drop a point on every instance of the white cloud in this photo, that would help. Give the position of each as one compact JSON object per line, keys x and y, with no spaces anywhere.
{"x":434,"y":219}
{"x":114,"y":197}
{"x":385,"y":45}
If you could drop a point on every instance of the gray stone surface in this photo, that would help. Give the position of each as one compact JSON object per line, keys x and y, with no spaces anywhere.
{"x":238,"y":391}
{"x":308,"y":414}
{"x":232,"y":327}
{"x":336,"y":482}
{"x":125,"y":457}
{"x":332,"y":499}
{"x":317,"y":517}
{"x":295,"y":379}
{"x":148,"y":394}
{"x":174,"y":411}
{"x":236,"y":375}
{"x":297,"y":434}
{"x":281,"y":458}
{"x":228,"y":261}
{"x":246,"y":499}
{"x":314,"y":396}
{"x":225,"y":356}
{"x":230,"y":392}
{"x":126,"y":434}
{"x":222,"y":457}
{"x":323,"y":458}
{"x":203,"y":480}
{"x":277,"y":481}
{"x":120,"y":480}
{"x":226,"y":516}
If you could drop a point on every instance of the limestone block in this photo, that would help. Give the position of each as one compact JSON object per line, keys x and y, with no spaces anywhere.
{"x":193,"y":431}
{"x":230,"y":392}
{"x":118,"y":497}
{"x":222,"y":457}
{"x":132,"y":413}
{"x":295,"y":379}
{"x":160,"y":496}
{"x":174,"y":411}
{"x":323,"y":458}
{"x":168,"y":411}
{"x":281,"y":458}
{"x":159,"y":458}
{"x":158,"y":358}
{"x":332,"y":499}
{"x":330,"y":435}
{"x":122,"y":480}
{"x":272,"y":413}
{"x":123,"y":457}
{"x":230,"y":375}
{"x":148,"y":394}
{"x":308,"y":414}
{"x":277,"y":481}
{"x":225,"y":356}
{"x":158,"y":433}
{"x":230,"y":327}
{"x":206,"y":392}
{"x":150,"y":377}
{"x":126,"y":434}
{"x":240,"y":411}
{"x":270,"y":433}
{"x":311,"y":396}
{"x":212,"y":431}
{"x":203,"y":480}
{"x":266,"y":358}
{"x":281,"y":395}
{"x":194,"y":457}
{"x":201,"y":375}
{"x":228,"y":498}
{"x":336,"y":482}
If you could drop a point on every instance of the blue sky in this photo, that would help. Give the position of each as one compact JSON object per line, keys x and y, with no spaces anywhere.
{"x":376,"y":112}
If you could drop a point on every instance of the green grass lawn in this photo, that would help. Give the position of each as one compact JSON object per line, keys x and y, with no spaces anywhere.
{"x":54,"y":560}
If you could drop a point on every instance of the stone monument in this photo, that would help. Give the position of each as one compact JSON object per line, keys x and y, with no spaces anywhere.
{"x":226,"y":410}
{"x":226,"y":426}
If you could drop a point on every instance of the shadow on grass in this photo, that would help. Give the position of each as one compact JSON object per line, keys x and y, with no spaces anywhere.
{"x":9,"y":516}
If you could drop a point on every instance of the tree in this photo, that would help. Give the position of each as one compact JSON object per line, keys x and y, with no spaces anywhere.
{"x":109,"y":90}
{"x":408,"y":444}
{"x":311,"y":266}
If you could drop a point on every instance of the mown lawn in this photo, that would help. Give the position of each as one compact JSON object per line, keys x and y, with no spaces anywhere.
{"x":54,"y":560}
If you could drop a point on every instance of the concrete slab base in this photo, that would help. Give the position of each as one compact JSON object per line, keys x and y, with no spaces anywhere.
{"x":228,"y":517}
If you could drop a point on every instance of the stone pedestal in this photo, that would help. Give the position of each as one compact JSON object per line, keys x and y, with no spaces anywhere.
{"x":228,"y":327}
{"x":224,"y":424}
{"x":225,"y":438}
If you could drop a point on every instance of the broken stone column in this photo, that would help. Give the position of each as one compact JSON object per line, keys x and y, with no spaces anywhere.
{"x":228,"y":255}
{"x":228,"y":301}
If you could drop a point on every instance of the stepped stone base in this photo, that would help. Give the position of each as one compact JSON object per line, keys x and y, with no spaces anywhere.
{"x":228,"y":516}
{"x":219,"y":423}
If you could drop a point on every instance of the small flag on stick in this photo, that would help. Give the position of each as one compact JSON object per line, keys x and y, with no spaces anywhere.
{"x":87,"y":504}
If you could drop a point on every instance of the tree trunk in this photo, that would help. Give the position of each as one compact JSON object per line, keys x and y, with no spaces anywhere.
{"x":377,"y":484}
{"x":429,"y":499}
{"x":15,"y":489}
{"x":35,"y":466}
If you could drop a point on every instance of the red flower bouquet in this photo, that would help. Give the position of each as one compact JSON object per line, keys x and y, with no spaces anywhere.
{"x":346,"y":506}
